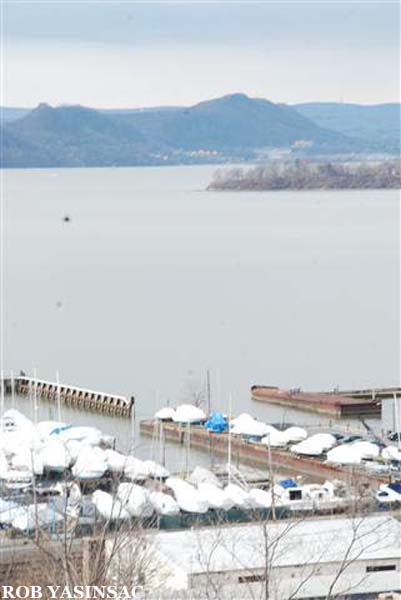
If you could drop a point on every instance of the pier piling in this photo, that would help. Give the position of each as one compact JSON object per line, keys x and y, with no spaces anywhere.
{"x":111,"y":404}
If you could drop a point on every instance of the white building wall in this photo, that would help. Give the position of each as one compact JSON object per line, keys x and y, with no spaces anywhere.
{"x":391,"y":409}
{"x":302,"y":582}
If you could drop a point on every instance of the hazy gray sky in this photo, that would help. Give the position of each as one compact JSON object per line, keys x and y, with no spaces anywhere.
{"x":127,"y":54}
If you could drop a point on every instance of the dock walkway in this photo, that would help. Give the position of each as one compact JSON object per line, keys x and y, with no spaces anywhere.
{"x":71,"y":395}
{"x":256,"y":454}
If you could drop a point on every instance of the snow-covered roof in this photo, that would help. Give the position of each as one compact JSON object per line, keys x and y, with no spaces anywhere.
{"x":304,"y":542}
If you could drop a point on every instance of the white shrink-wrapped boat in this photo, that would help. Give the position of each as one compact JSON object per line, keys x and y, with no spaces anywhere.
{"x":188,"y":413}
{"x":315,"y":445}
{"x":116,"y":461}
{"x":13,"y":420}
{"x":164,"y":504}
{"x":74,"y":448}
{"x":275,"y":439}
{"x":344,"y":455}
{"x":55,"y":456}
{"x":41,"y":515}
{"x":90,"y":435}
{"x":155,"y":470}
{"x":242,"y":418}
{"x":20,"y":433}
{"x":16,"y":479}
{"x":325,"y":440}
{"x":46,"y":428}
{"x":165,"y":414}
{"x":306,"y":498}
{"x":367,"y":450}
{"x":260,"y":498}
{"x":239,"y":497}
{"x":389,"y":494}
{"x":353,"y":454}
{"x":391,"y":453}
{"x":4,"y":466}
{"x":188,"y":497}
{"x":135,"y":499}
{"x":20,"y":476}
{"x":203,"y":475}
{"x":247,"y":425}
{"x":109,"y":507}
{"x":295,"y":434}
{"x":28,"y":459}
{"x":8,"y":510}
{"x":134,"y":469}
{"x":177,"y":485}
{"x":6,"y":505}
{"x":90,"y":464}
{"x":7,"y":516}
{"x":214,"y":496}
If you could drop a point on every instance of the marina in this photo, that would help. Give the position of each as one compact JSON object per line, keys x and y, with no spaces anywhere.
{"x":64,"y":475}
{"x":52,"y":473}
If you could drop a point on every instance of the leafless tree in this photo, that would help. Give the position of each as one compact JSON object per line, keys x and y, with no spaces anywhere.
{"x":304,"y":174}
{"x":195,"y":390}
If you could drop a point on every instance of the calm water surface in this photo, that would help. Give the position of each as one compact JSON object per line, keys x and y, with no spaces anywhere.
{"x":155,"y":280}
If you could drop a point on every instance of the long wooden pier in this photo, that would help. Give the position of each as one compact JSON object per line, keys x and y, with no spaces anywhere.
{"x":71,"y":395}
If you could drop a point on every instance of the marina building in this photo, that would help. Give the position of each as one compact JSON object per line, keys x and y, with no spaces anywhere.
{"x":305,"y":559}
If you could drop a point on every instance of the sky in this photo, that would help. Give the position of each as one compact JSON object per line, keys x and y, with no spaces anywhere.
{"x":133,"y":54}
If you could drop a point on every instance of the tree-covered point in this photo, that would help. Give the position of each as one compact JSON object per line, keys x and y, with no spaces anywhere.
{"x":305,"y":175}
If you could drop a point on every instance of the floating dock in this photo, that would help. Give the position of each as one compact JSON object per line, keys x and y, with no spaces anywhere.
{"x":71,"y":396}
{"x":256,"y":454}
{"x":352,"y":404}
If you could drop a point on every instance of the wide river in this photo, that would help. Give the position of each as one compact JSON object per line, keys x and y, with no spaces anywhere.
{"x":155,"y":280}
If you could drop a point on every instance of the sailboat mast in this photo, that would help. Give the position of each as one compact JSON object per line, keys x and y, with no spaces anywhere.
{"x":12,"y":389}
{"x":2,"y":392}
{"x":133,"y":427}
{"x":58,"y":397}
{"x":230,"y":401}
{"x":397,"y":421}
{"x":188,"y":447}
{"x":208,"y":392}
{"x":35,"y":397}
{"x":162,"y":456}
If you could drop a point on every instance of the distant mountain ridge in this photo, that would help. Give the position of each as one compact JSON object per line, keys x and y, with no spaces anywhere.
{"x":233,"y":127}
{"x":380,"y":122}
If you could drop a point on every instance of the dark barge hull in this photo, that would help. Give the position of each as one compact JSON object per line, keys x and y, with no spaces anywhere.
{"x":337,"y":405}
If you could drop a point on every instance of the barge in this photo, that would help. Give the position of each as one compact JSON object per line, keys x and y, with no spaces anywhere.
{"x":256,"y":454}
{"x":334,"y":404}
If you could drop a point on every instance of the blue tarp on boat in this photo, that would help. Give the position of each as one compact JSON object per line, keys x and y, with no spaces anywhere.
{"x":58,"y":430}
{"x":288,"y":483}
{"x":217,"y":422}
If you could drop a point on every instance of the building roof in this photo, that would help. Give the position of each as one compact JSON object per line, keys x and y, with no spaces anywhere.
{"x":291,"y":543}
